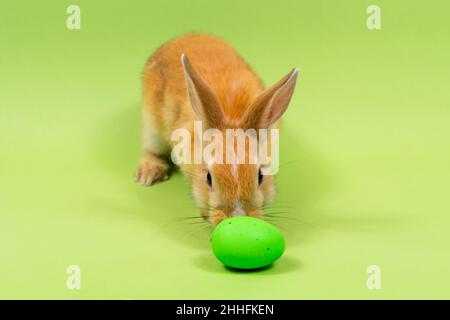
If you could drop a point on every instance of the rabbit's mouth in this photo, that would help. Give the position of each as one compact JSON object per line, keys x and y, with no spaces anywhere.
{"x":216,"y":216}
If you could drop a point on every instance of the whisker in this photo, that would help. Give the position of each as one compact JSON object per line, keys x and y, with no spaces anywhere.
{"x":288,"y":220}
{"x":278,"y":226}
{"x":190,"y":218}
{"x":197,"y":230}
{"x":289,"y":163}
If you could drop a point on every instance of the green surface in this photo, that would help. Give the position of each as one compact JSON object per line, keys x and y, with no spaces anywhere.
{"x":247,"y":243}
{"x":365,"y":151}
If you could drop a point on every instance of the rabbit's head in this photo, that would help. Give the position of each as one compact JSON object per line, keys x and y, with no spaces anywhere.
{"x":241,"y":183}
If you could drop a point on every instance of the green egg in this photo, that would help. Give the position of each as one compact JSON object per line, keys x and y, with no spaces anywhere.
{"x":246,"y":243}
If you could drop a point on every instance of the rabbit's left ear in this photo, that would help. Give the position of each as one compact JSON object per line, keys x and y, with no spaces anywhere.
{"x":272,"y":103}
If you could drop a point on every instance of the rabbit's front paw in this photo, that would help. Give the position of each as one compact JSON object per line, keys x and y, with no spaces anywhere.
{"x":151,"y":170}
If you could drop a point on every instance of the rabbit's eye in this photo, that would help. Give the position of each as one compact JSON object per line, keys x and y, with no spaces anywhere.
{"x":260,"y":177}
{"x":209,"y":179}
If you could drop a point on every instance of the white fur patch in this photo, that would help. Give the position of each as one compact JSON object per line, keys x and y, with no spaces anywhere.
{"x":238,"y":211}
{"x":235,"y":165}
{"x":151,"y":139}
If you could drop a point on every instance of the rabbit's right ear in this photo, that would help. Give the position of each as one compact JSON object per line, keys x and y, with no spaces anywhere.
{"x":203,"y":100}
{"x":272,"y":103}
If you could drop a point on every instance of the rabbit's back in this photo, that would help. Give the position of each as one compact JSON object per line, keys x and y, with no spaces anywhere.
{"x":231,"y":79}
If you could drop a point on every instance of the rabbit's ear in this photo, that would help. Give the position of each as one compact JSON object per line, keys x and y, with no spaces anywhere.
{"x":203,"y":100}
{"x":272,"y":103}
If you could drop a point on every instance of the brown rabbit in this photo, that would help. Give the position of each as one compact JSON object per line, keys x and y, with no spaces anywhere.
{"x":200,"y":77}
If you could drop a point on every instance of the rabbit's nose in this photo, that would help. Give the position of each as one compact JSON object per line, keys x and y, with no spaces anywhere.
{"x":238,"y":211}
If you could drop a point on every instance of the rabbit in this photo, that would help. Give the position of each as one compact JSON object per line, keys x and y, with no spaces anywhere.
{"x":201,"y":77}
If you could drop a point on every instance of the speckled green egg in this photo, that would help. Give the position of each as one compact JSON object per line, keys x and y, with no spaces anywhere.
{"x":246,"y":243}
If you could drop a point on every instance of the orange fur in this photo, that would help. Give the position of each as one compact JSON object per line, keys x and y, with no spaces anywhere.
{"x":216,"y":85}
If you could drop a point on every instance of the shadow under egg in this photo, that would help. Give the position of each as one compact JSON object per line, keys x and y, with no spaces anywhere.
{"x":286,"y":264}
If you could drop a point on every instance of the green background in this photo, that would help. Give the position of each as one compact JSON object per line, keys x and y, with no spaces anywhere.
{"x":365,"y":151}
